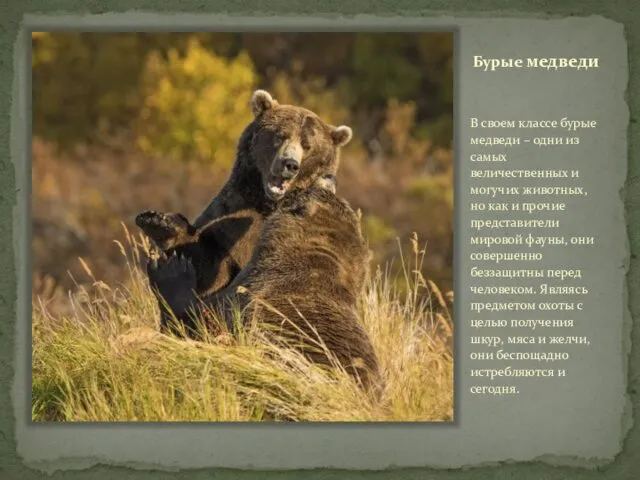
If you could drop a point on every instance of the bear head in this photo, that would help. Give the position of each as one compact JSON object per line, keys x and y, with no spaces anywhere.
{"x":290,"y":145}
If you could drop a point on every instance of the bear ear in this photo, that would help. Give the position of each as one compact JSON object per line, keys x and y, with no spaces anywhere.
{"x":341,"y":135}
{"x":261,"y":100}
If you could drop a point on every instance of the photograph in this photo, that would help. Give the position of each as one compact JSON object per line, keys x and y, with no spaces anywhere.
{"x":242,"y":227}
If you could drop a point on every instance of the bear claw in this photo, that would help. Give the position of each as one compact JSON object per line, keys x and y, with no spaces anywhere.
{"x":173,"y":278}
{"x":172,"y":271}
{"x":164,"y":228}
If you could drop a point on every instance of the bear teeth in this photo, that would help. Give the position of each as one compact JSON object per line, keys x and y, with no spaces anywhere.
{"x":276,"y":188}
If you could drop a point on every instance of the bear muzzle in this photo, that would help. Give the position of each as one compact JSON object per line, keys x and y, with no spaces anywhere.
{"x":284,"y":170}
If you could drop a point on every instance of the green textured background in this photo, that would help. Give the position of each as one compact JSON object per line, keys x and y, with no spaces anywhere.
{"x":627,"y":465}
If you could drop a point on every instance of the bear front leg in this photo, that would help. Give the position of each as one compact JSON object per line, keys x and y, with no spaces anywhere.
{"x":174,"y":282}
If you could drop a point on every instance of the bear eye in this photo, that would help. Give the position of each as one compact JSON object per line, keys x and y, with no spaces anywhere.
{"x":305,"y":144}
{"x":279,"y":139}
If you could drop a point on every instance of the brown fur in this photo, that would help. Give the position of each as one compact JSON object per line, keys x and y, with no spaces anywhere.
{"x":222,"y":239}
{"x":309,"y":267}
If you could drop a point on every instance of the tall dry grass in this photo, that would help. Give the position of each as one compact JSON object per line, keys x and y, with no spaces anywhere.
{"x":106,"y":361}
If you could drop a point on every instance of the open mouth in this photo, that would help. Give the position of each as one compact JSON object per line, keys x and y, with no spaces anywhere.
{"x":277,"y":187}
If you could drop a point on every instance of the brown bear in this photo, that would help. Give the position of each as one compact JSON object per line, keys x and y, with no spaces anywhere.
{"x":283,"y":146}
{"x":304,"y":278}
{"x":208,"y":247}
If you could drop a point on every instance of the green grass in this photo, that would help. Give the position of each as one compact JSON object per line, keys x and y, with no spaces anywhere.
{"x":106,"y":361}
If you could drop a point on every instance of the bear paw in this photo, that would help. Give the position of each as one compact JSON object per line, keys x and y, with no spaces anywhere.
{"x":174,"y":279}
{"x":165,"y":229}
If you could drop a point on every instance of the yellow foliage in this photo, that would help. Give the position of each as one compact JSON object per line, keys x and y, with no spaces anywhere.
{"x":434,"y":188}
{"x":434,"y":194}
{"x":197,"y":105}
{"x":399,"y":125}
{"x":312,"y":94}
{"x":399,"y":121}
{"x":42,"y":52}
{"x":376,"y":230}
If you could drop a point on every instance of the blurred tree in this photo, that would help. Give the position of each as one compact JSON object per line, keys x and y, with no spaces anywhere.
{"x":379,"y":234}
{"x":87,"y":85}
{"x":382,"y":69}
{"x":195,"y":105}
{"x":364,"y":70}
{"x":312,"y":93}
{"x":83,"y":83}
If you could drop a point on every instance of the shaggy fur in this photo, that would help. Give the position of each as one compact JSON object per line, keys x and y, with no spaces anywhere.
{"x":309,"y":268}
{"x":285,"y":146}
